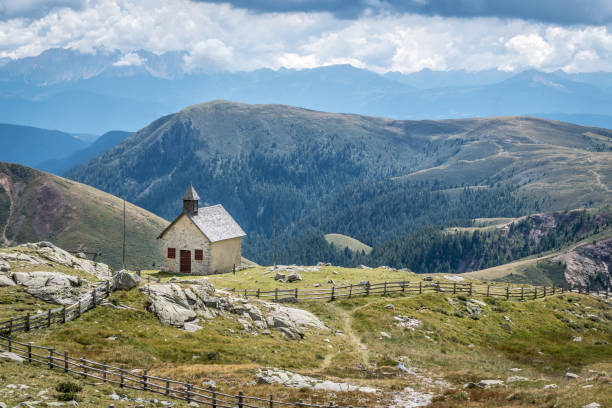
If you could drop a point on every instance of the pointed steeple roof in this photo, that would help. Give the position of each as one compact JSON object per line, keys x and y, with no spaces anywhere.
{"x":191,"y":194}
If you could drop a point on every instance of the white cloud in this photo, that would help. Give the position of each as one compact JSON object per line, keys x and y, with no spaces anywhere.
{"x":131,"y":59}
{"x":219,"y":37}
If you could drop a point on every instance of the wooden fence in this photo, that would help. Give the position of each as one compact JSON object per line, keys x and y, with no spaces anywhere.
{"x":406,"y":287}
{"x":130,"y":379}
{"x":62,"y":314}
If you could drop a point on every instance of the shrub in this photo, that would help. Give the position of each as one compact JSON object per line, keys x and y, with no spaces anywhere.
{"x":67,"y":396}
{"x":68,"y":387}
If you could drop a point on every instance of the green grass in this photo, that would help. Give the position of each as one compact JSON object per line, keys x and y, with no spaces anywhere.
{"x":343,"y":241}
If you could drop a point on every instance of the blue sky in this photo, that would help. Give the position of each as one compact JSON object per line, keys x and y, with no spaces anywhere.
{"x":380,"y":35}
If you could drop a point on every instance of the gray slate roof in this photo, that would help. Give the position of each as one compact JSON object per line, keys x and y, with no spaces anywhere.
{"x":191,"y":194}
{"x":216,"y":223}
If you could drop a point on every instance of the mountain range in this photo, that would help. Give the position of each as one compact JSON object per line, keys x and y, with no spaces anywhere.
{"x":94,"y":93}
{"x":370,"y":178}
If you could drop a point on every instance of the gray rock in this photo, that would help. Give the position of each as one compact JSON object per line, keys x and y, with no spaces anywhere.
{"x":52,"y":287}
{"x":293,"y":277}
{"x":6,"y":281}
{"x":490,"y":383}
{"x":592,"y":405}
{"x":3,"y":405}
{"x":8,"y":356}
{"x":469,"y":385}
{"x":279,"y":276}
{"x":428,"y":278}
{"x":571,"y":376}
{"x":4,"y":266}
{"x":390,"y":307}
{"x":123,"y":280}
{"x":516,"y":378}
{"x":551,"y":387}
{"x":384,"y":335}
{"x":191,"y":327}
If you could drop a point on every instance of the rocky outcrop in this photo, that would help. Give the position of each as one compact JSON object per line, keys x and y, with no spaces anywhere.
{"x":6,"y":281}
{"x":589,"y":264}
{"x":123,"y":280}
{"x":184,"y":306}
{"x":52,"y":287}
{"x":294,"y":380}
{"x":56,"y":254}
{"x":45,"y":253}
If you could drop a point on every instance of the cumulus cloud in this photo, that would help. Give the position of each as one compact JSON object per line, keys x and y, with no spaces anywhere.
{"x":131,"y":59}
{"x":217,"y":37}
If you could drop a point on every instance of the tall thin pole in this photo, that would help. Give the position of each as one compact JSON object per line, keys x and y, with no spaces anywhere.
{"x":124,"y":233}
{"x":274,"y":256}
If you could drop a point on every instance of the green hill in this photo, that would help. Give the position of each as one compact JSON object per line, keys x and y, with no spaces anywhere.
{"x":343,"y":241}
{"x":36,"y":206}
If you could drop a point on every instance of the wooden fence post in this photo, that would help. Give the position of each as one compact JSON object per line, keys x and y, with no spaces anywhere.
{"x":245,"y":294}
{"x":454,"y":287}
{"x":420,"y":287}
{"x":276,"y":295}
{"x":522,"y":293}
{"x":167,"y":391}
{"x":351,"y":290}
{"x":333,"y":293}
{"x":403,"y":286}
{"x":507,"y":292}
{"x":49,"y":318}
{"x":104,"y":370}
{"x":188,"y":393}
{"x":144,"y":380}
{"x":535,"y":292}
{"x":214,"y":397}
{"x":296,"y":294}
{"x":240,"y":398}
{"x":65,"y":361}
{"x":51,"y":358}
{"x":271,"y":401}
{"x":29,"y":352}
{"x":367,"y":288}
{"x":258,"y":292}
{"x":553,"y":288}
{"x":544,"y":291}
{"x":470,"y":288}
{"x":385,"y":289}
{"x":27,"y":322}
{"x":64,"y":314}
{"x":488,"y":289}
{"x":121,"y":379}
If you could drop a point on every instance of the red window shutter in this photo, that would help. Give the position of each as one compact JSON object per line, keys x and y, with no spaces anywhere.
{"x":171,"y":253}
{"x":199,"y":254}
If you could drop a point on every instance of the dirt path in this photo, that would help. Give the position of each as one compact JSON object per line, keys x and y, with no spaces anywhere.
{"x":4,"y":182}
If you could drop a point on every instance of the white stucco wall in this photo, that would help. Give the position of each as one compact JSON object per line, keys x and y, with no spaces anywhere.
{"x":184,"y":235}
{"x":225,"y":254}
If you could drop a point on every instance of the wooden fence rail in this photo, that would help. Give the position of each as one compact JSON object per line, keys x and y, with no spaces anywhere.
{"x":62,"y":314}
{"x":406,"y":287}
{"x":132,"y":379}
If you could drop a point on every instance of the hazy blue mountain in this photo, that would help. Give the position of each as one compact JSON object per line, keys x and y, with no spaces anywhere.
{"x":29,"y":145}
{"x":93,"y":93}
{"x":102,"y":144}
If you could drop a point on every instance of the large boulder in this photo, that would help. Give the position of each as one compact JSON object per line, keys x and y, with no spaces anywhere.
{"x":123,"y":280}
{"x":51,"y":287}
{"x":169,"y":303}
{"x":4,"y":266}
{"x":6,"y":281}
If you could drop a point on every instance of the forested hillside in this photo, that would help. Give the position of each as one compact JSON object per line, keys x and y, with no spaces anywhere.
{"x":434,"y":249}
{"x":370,"y":178}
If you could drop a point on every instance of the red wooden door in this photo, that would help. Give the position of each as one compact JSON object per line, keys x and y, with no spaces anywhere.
{"x":185,"y":261}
